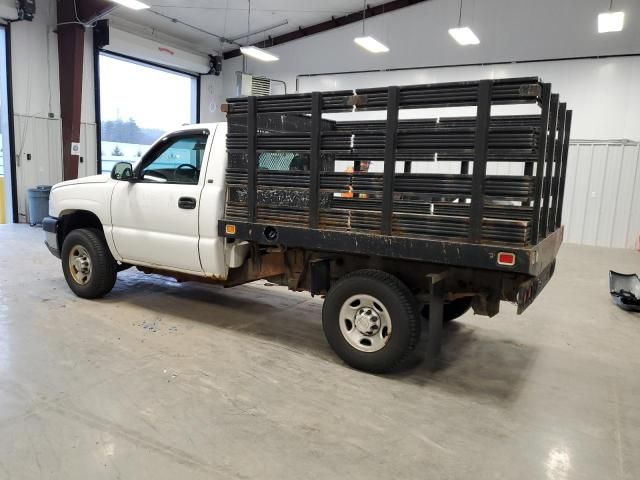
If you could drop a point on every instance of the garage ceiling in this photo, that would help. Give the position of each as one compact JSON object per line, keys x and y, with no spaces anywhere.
{"x":228,"y":18}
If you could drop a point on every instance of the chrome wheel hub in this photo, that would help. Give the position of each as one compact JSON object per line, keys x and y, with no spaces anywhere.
{"x":365,"y":323}
{"x":80,"y":264}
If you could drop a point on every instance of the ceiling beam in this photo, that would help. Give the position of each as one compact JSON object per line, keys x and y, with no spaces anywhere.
{"x":87,"y":10}
{"x":335,"y":22}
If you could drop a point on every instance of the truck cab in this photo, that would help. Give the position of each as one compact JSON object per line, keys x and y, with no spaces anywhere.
{"x":161,"y":212}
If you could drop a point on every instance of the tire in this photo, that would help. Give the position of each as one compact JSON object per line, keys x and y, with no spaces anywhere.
{"x":354,"y":316}
{"x":451,"y":310}
{"x":89,"y":268}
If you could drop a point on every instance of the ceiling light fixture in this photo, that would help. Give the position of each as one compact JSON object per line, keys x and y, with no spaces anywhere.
{"x":463,"y":35}
{"x":367,"y":41}
{"x":371,"y":44}
{"x":258,"y":54}
{"x":255,"y":52}
{"x":610,"y":21}
{"x":133,"y":4}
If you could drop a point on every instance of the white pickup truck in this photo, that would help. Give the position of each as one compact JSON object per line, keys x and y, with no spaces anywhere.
{"x":167,"y":218}
{"x":264,"y":197}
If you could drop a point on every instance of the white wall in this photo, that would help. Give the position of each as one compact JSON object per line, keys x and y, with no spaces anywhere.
{"x":88,"y":144}
{"x":603,"y":92}
{"x":509,"y":30}
{"x":36,"y":94}
{"x":602,"y":194}
{"x":212,"y":95}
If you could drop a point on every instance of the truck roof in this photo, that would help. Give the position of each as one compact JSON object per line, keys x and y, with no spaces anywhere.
{"x":191,"y":126}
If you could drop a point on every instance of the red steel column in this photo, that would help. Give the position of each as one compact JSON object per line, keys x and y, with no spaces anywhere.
{"x":70,"y":60}
{"x":71,"y":56}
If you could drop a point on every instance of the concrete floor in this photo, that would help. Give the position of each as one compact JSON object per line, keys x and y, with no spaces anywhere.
{"x":161,"y":380}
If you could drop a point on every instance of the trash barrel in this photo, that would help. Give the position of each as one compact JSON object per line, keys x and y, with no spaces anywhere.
{"x":38,"y":203}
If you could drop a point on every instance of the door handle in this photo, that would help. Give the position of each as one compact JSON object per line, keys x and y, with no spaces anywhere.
{"x":188,"y":203}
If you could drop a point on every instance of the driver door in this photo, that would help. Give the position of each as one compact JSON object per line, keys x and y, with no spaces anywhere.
{"x":155,"y":219}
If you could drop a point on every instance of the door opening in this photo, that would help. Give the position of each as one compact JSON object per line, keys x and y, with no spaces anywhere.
{"x":7,"y":169}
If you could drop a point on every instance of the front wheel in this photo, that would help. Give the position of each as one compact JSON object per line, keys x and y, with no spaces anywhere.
{"x":371,"y":321}
{"x":89,"y":268}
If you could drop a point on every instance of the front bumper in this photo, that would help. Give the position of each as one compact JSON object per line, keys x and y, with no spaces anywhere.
{"x":50,"y":226}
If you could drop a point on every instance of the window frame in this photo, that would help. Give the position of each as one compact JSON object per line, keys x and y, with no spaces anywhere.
{"x":13,"y":216}
{"x":146,"y":63}
{"x":160,"y":147}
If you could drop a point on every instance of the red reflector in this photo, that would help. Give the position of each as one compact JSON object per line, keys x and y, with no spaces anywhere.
{"x":508,"y":259}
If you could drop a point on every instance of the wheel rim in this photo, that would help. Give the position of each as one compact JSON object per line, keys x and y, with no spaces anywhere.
{"x":80,"y":265}
{"x":365,"y":323}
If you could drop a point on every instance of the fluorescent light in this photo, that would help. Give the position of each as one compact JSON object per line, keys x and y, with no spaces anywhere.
{"x":258,"y":54}
{"x":134,"y":4}
{"x":464,"y":36}
{"x":371,"y":44}
{"x":610,"y":22}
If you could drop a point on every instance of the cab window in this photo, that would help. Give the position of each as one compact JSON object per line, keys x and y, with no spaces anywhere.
{"x":178,"y":161}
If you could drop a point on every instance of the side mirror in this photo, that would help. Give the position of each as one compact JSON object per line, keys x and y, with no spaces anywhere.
{"x":122,"y":171}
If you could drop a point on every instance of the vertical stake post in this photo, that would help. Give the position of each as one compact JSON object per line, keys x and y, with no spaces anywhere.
{"x":542,"y":150}
{"x":563,"y":168}
{"x":550,"y":155}
{"x":480,"y":150}
{"x":391,"y":140}
{"x":314,"y":168}
{"x":252,"y":157}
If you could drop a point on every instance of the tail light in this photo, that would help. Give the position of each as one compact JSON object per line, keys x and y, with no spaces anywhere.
{"x":506,"y":259}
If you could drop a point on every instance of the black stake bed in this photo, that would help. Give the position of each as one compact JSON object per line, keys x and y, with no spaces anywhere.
{"x":306,"y":178}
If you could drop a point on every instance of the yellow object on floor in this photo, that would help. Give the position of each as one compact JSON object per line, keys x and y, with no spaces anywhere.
{"x":2,"y":219}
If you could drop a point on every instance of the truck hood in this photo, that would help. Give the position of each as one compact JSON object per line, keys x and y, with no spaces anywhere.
{"x":83,"y":180}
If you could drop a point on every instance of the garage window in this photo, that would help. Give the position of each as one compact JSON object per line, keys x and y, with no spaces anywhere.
{"x":139,"y":103}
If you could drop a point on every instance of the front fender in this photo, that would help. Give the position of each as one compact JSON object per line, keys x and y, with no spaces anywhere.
{"x":94,"y":198}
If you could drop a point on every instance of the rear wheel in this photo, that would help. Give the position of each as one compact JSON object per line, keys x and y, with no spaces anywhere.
{"x":451,"y":310}
{"x":371,"y":321}
{"x":89,"y":268}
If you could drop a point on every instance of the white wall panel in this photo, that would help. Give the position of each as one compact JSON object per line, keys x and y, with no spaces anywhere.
{"x":88,"y":108}
{"x":88,"y":150}
{"x":36,"y":96}
{"x":602,"y":194}
{"x":7,"y":9}
{"x":602,"y":93}
{"x":212,"y":95}
{"x":40,"y":138}
{"x":509,"y":30}
{"x":34,"y":55}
